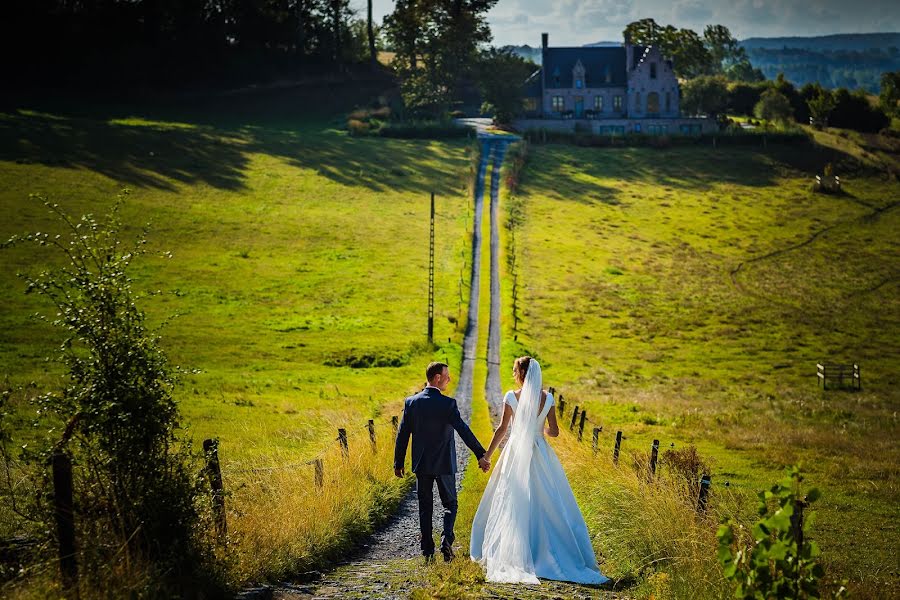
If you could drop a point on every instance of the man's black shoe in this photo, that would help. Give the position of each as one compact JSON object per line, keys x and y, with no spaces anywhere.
{"x":447,"y":551}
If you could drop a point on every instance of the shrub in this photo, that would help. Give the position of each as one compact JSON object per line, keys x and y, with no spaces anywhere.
{"x":779,"y":561}
{"x":423,"y":130}
{"x":853,"y":111}
{"x":133,"y":482}
{"x":357,"y":127}
{"x":688,"y":464}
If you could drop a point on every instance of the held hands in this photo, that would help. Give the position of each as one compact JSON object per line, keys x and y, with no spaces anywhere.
{"x":399,"y":472}
{"x":484,"y":463}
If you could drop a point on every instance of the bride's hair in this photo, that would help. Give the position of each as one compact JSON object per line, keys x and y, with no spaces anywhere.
{"x":521,"y":367}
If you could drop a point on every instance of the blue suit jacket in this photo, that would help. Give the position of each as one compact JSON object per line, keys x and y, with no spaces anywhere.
{"x":431,"y":417}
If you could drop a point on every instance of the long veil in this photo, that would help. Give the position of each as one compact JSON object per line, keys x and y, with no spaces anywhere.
{"x":507,"y":547}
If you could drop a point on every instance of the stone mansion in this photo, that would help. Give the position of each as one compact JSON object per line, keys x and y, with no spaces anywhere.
{"x":612,"y":89}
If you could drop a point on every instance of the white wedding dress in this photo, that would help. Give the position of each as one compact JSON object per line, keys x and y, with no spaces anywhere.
{"x":528,"y":524}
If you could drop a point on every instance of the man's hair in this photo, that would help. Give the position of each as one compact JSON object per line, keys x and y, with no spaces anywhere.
{"x":435,"y":368}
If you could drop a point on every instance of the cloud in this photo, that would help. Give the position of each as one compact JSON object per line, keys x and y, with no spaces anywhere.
{"x":574,"y":22}
{"x":691,"y":12}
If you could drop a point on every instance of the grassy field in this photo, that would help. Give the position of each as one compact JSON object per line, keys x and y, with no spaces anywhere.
{"x":687,"y":295}
{"x":299,"y":255}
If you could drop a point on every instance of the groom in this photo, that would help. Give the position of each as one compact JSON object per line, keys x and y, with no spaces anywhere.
{"x":430,"y":417}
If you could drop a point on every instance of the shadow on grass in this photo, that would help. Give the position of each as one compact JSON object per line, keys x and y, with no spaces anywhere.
{"x":682,"y":168}
{"x":211,"y":141}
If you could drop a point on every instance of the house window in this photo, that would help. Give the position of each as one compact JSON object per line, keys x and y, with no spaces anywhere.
{"x":637,"y":127}
{"x":598,"y":103}
{"x":558,"y":104}
{"x":617,"y":103}
{"x":637,"y":102}
{"x":653,"y":70}
{"x":531,"y":104}
{"x":668,"y":102}
{"x":653,"y":103}
{"x":579,"y":83}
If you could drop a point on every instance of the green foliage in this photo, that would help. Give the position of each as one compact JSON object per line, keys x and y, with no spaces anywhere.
{"x":705,"y":94}
{"x":889,"y":98}
{"x":780,"y":561}
{"x":428,"y":130}
{"x":773,"y":106}
{"x":501,"y":75}
{"x":120,"y":419}
{"x":742,"y":97}
{"x":436,"y":44}
{"x":716,"y":52}
{"x":820,"y":107}
{"x":852,"y":110}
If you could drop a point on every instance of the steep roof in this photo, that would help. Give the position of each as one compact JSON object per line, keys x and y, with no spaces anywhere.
{"x":533,"y":85}
{"x":596,"y":60}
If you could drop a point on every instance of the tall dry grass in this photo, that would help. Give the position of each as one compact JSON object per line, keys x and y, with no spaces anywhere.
{"x":280,"y":523}
{"x":647,"y":531}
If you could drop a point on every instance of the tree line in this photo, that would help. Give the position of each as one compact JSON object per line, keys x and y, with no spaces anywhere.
{"x":780,"y":101}
{"x":146,"y":42}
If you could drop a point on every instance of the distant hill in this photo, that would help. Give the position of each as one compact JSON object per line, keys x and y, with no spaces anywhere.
{"x":840,"y":41}
{"x":533,"y":53}
{"x":852,"y":60}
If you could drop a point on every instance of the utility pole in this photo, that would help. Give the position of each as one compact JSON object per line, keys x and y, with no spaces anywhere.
{"x":431,"y":278}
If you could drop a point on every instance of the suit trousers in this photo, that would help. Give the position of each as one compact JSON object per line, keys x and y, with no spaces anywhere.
{"x":446,"y":485}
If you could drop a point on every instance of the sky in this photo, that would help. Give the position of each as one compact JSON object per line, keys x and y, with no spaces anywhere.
{"x":576,"y":22}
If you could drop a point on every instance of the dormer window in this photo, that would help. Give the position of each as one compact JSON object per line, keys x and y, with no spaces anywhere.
{"x":578,"y":75}
{"x":653,"y":70}
{"x":607,"y":74}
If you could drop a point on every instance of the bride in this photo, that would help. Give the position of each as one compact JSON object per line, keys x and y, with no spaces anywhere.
{"x":528,"y":524}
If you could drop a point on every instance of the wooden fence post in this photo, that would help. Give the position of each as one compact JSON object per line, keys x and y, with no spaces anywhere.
{"x":618,"y":445}
{"x":574,"y":416}
{"x":705,"y":482}
{"x":320,"y":472}
{"x":562,"y":406}
{"x":342,"y":438}
{"x":654,"y":455}
{"x":797,"y":524}
{"x":371,"y":428}
{"x":395,"y":424}
{"x":581,"y":424}
{"x":65,"y":521}
{"x":214,"y":472}
{"x":596,"y":439}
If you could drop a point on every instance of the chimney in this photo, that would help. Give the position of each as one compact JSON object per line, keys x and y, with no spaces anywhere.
{"x":544,"y":37}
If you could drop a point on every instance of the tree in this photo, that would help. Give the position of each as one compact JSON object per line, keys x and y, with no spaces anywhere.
{"x":853,"y":110}
{"x":370,"y":29}
{"x":502,"y":74}
{"x":445,"y":36}
{"x":820,"y":108}
{"x":723,"y":48}
{"x":644,"y":32}
{"x":744,"y":71}
{"x":689,"y":55}
{"x":889,"y":98}
{"x":773,"y":106}
{"x":704,"y":94}
{"x":742,"y":97}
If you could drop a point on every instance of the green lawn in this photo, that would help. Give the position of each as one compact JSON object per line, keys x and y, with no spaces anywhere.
{"x":297,"y":251}
{"x":687,"y":294}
